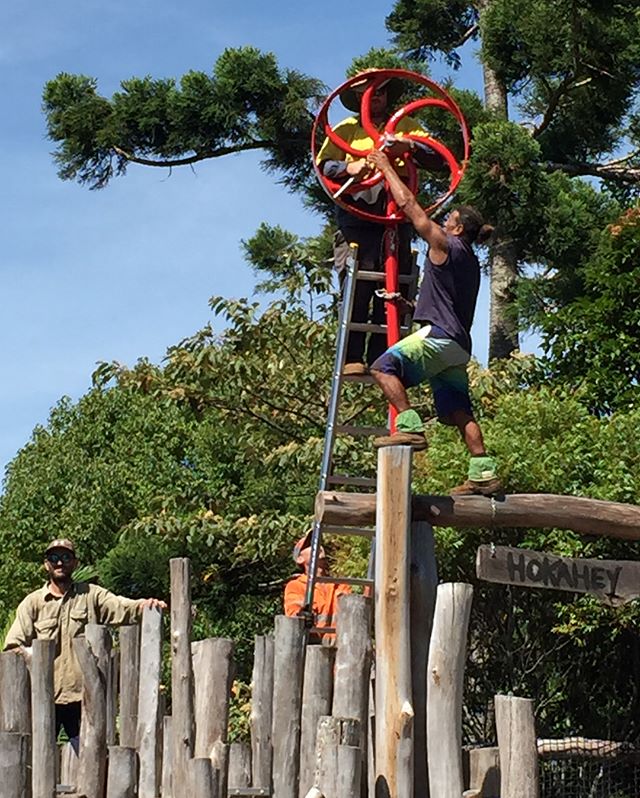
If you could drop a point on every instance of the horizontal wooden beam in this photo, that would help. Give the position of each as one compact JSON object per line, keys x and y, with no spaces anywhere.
{"x":582,"y":515}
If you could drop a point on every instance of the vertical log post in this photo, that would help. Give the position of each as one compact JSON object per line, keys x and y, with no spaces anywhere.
{"x":129,"y":679}
{"x":445,"y":678}
{"x":353,"y":659}
{"x":149,"y":732}
{"x":43,"y":720}
{"x":348,"y":781}
{"x":15,"y":693}
{"x":213,"y":671}
{"x":518,"y":750}
{"x":287,"y":699}
{"x":167,"y":755}
{"x":484,"y":771}
{"x":239,"y":766}
{"x":93,"y":653}
{"x":316,"y":701}
{"x":220,"y":763}
{"x":183,"y":732}
{"x":261,"y":712}
{"x":122,"y":773}
{"x":331,"y":735}
{"x":14,"y":764}
{"x":353,"y":666}
{"x":201,"y":778}
{"x":394,"y":708}
{"x":112,"y":697}
{"x":68,"y":765}
{"x":424,"y":583}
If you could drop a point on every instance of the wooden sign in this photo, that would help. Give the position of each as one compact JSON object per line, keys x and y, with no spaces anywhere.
{"x":612,"y":581}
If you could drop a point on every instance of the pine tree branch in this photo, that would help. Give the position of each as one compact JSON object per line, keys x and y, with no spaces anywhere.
{"x":201,"y":156}
{"x":554,"y":100}
{"x":467,"y":35}
{"x":610,"y":171}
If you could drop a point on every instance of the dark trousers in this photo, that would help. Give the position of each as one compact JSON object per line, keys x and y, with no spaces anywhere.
{"x":367,"y":307}
{"x":68,"y":718}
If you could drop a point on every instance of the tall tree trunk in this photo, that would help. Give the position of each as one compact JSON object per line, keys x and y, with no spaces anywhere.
{"x":503,"y":265}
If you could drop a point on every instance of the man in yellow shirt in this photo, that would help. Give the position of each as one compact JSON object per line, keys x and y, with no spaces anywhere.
{"x":369,"y":236}
{"x":60,"y":611}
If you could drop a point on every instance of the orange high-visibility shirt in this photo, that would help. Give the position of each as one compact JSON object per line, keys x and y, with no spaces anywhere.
{"x":325,"y":600}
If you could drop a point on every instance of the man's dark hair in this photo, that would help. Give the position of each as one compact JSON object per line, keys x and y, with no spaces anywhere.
{"x":475,"y":230}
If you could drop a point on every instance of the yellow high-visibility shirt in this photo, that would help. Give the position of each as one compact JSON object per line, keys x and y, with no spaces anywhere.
{"x":351,"y":131}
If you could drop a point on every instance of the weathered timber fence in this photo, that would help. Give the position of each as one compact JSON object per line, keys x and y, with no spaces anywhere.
{"x":326,"y":722}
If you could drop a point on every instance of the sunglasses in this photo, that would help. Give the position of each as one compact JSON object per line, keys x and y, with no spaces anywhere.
{"x":64,"y":557}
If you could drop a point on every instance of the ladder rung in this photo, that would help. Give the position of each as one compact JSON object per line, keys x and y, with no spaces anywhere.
{"x":357,"y":482}
{"x":379,"y":277}
{"x":359,"y":531}
{"x":349,"y":429}
{"x":357,"y":326}
{"x":344,"y":580}
{"x":323,"y":630}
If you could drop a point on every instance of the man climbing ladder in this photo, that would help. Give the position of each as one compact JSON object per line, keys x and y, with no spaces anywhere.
{"x":440,"y":350}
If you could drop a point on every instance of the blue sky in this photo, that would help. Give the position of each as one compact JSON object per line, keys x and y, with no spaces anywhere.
{"x":127,"y":271}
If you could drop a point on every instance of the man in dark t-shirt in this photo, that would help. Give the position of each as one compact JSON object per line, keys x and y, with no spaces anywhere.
{"x":440,"y":350}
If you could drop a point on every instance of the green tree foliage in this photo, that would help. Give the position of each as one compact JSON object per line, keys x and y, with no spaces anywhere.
{"x":293,"y":266}
{"x":592,"y":340}
{"x":247,"y":103}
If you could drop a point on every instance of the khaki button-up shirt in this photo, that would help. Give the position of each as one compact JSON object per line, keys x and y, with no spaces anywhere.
{"x":44,"y":616}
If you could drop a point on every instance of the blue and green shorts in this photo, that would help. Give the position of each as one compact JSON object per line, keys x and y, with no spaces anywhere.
{"x":427,"y":356}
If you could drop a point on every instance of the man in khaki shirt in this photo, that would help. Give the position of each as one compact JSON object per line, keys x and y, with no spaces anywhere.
{"x":60,"y":611}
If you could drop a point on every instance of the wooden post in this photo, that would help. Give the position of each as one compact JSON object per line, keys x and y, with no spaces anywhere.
{"x":68,"y":765}
{"x":149,"y":732}
{"x":287,"y":698}
{"x":424,"y":583}
{"x":201,"y":781}
{"x":348,"y":781}
{"x":129,"y":679}
{"x":15,"y":693}
{"x":353,"y":659}
{"x":14,"y":764}
{"x":316,"y":701}
{"x":352,"y":678}
{"x":394,"y":707}
{"x":93,"y":654}
{"x":261,"y":712}
{"x":122,"y":772}
{"x":112,"y":697}
{"x":518,"y":750}
{"x":239,"y":766}
{"x":484,"y":771}
{"x":332,"y":733}
{"x":220,"y":763}
{"x":213,"y":671}
{"x":43,"y":720}
{"x":447,"y":654}
{"x":167,"y":754}
{"x":183,"y":731}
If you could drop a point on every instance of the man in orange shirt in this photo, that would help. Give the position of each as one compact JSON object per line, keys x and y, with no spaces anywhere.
{"x":325,"y":595}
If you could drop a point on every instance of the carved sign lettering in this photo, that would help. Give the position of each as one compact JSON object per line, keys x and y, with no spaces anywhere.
{"x":613,"y":581}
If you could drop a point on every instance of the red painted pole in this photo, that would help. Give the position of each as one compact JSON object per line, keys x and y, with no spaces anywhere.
{"x":391,"y":285}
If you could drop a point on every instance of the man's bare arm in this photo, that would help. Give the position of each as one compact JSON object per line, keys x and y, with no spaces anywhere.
{"x":431,"y":232}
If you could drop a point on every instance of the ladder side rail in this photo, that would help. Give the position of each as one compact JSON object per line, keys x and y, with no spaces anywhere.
{"x":348,"y":294}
